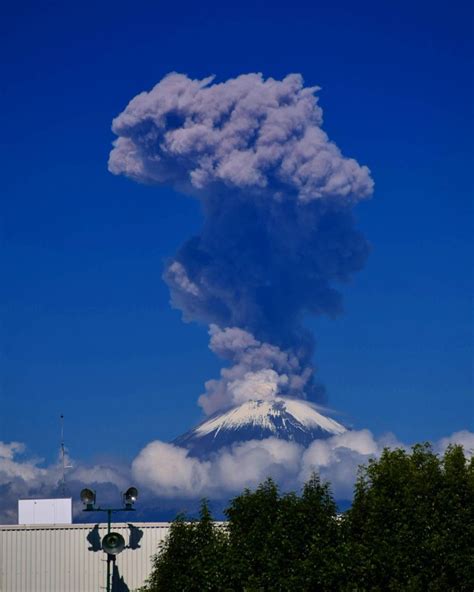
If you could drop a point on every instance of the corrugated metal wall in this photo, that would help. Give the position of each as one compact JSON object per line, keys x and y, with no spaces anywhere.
{"x":67,"y":558}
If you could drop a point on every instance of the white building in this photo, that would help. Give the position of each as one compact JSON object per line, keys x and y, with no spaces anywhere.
{"x":68,"y":557}
{"x":45,"y":511}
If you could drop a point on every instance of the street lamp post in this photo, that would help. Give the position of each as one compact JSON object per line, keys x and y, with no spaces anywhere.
{"x":113,"y":543}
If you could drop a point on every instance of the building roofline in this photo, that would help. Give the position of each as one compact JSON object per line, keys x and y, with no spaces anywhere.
{"x":82,"y":525}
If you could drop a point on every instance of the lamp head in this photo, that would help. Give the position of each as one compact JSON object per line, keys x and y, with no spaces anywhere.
{"x":130,"y":497}
{"x":88,"y":498}
{"x":113,"y":543}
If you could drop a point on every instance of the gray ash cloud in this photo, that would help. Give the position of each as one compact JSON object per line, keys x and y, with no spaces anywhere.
{"x":278,"y":233}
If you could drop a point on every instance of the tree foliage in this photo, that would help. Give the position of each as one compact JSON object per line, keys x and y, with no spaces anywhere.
{"x":411,"y":525}
{"x":191,"y":558}
{"x":410,"y":528}
{"x":283,"y":542}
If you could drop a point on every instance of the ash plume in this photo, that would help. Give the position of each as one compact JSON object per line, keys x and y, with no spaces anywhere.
{"x":278,"y":233}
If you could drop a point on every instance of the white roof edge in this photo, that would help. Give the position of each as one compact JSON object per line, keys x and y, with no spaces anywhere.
{"x":82,"y":525}
{"x":42,"y":499}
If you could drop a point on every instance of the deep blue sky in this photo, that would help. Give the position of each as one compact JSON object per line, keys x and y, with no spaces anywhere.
{"x":87,"y":328}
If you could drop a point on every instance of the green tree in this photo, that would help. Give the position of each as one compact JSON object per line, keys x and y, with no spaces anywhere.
{"x":284,"y":542}
{"x":192,"y":558}
{"x":253,"y":561}
{"x":411,"y":523}
{"x":454,"y":541}
{"x":322,"y":564}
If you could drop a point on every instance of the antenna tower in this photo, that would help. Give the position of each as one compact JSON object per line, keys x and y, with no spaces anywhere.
{"x":64,"y":466}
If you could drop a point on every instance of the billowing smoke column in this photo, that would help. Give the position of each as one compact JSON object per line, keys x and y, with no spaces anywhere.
{"x":278,"y":228}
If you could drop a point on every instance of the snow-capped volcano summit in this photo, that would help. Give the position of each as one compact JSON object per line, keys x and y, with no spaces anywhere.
{"x":295,"y":420}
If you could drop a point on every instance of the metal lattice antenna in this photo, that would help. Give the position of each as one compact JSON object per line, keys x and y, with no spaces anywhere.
{"x":64,"y":466}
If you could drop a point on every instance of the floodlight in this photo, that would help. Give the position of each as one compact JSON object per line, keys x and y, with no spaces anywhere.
{"x":113,"y":543}
{"x":88,"y":498}
{"x":130,"y":497}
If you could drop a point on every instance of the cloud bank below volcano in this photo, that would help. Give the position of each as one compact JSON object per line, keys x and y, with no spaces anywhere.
{"x":163,"y":471}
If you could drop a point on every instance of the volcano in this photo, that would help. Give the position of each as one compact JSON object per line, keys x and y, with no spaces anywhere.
{"x":290,"y":419}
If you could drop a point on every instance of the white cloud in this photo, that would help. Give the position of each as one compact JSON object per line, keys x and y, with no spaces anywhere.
{"x":11,"y":449}
{"x":248,"y":463}
{"x":23,"y":476}
{"x":464,"y":438}
{"x":169,"y":471}
{"x":165,"y":471}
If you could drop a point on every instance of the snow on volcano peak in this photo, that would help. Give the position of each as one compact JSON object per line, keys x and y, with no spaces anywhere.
{"x":289,"y":419}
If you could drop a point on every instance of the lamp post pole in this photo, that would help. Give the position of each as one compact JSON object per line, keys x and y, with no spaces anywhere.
{"x":111,"y":541}
{"x":109,"y":521}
